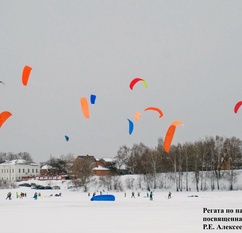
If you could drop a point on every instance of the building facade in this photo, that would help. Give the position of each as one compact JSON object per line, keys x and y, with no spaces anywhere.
{"x":15,"y":170}
{"x":97,"y":168}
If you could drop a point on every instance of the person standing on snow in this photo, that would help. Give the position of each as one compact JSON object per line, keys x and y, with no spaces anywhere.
{"x":35,"y":196}
{"x":151,"y":195}
{"x":9,"y":196}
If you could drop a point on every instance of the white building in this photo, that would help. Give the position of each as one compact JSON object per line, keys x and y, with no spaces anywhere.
{"x":14,"y":170}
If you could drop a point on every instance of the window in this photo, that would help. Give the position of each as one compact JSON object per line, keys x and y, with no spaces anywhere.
{"x":36,"y":170}
{"x":19,"y":170}
{"x":28,"y":170}
{"x":23,"y":170}
{"x":32,"y":170}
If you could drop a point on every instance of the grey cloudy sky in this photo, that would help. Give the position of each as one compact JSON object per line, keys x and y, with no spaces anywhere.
{"x":189,"y":53}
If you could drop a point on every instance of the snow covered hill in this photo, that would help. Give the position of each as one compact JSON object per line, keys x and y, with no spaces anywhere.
{"x":164,"y":182}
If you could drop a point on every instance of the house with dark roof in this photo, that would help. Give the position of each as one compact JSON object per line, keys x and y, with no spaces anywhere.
{"x":97,"y":166}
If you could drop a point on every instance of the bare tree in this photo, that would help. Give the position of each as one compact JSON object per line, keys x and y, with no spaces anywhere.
{"x":180,"y":159}
{"x":106,"y":182}
{"x":122,"y":157}
{"x":173,"y":157}
{"x":187,"y":148}
{"x":196,"y":160}
{"x":25,"y":155}
{"x":12,"y":156}
{"x":59,"y":165}
{"x":232,"y":154}
{"x":3,"y":157}
{"x":219,"y":141}
{"x":151,"y":162}
{"x":82,"y":171}
{"x":134,"y":162}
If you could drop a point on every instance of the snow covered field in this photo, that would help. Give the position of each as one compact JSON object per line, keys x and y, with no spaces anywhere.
{"x":74,"y":212}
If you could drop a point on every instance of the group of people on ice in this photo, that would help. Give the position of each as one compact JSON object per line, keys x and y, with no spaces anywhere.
{"x":21,"y":195}
{"x":35,"y":196}
{"x":149,"y":194}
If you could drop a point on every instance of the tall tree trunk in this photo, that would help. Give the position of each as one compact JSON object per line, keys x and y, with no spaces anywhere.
{"x":197,"y":179}
{"x":186,"y":173}
{"x":176,"y":180}
{"x":231,"y":178}
{"x":201,"y":186}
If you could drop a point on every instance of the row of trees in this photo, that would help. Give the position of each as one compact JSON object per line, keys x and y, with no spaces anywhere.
{"x":216,"y":156}
{"x":8,"y":156}
{"x":213,"y":154}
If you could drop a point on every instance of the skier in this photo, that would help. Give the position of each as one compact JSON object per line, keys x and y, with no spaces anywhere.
{"x":133,"y":195}
{"x":169,"y":195}
{"x":9,"y":196}
{"x":151,"y":195}
{"x":35,"y":196}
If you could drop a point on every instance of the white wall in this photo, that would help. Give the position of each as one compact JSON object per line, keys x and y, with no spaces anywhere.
{"x":15,"y":172}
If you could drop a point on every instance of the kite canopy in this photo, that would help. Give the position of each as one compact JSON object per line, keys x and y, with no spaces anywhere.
{"x":170,"y":134}
{"x":135,"y":80}
{"x":237,"y":106}
{"x":67,"y":138}
{"x":155,"y":109}
{"x":131,"y":126}
{"x":103,"y":197}
{"x":92,"y":99}
{"x":85,"y":107}
{"x":4,"y":116}
{"x":26,"y":74}
{"x":176,"y":123}
{"x":137,"y":116}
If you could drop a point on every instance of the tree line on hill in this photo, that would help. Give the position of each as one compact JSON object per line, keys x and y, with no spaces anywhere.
{"x":217,"y":156}
{"x":220,"y":156}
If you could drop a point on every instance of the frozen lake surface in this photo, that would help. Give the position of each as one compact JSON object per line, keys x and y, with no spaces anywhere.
{"x":74,"y":212}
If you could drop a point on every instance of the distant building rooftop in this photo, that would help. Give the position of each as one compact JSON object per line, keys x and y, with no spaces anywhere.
{"x":99,"y":168}
{"x":19,"y":161}
{"x":46,"y":167}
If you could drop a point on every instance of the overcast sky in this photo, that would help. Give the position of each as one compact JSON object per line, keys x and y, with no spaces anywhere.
{"x":189,"y":53}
